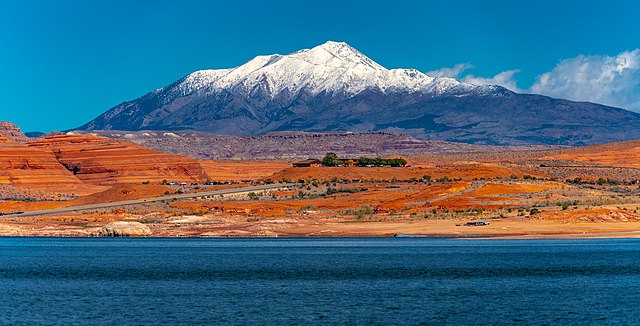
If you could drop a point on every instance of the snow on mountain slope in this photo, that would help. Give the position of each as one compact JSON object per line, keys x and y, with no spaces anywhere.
{"x":333,"y":67}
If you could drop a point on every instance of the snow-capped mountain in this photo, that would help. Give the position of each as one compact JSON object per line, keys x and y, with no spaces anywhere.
{"x":333,"y":68}
{"x":334,"y":87}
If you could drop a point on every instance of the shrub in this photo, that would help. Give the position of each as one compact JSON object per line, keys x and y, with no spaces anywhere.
{"x":331,"y":190}
{"x":359,"y":212}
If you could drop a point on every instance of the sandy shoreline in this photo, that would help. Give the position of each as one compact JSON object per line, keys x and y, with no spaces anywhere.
{"x":207,"y":227}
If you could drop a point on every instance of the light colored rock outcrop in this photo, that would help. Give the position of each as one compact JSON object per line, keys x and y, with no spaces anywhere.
{"x":125,"y":229}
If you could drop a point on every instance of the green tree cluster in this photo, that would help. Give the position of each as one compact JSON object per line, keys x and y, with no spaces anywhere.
{"x":394,"y":162}
{"x":330,"y":159}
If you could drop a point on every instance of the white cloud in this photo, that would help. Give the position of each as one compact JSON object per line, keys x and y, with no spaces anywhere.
{"x":453,"y":72}
{"x":607,"y":80}
{"x":505,"y":79}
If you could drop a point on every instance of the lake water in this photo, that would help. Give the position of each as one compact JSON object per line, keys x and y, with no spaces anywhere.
{"x":330,"y":281}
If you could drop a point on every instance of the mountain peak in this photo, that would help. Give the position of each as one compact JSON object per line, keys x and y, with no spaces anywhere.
{"x":333,"y":45}
{"x":337,"y":54}
{"x":339,"y":49}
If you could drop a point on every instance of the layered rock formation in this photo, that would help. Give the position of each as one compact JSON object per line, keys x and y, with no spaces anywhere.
{"x":36,"y":168}
{"x":103,"y":161}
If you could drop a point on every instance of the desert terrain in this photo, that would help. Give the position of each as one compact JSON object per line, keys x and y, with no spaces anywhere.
{"x":590,"y":191}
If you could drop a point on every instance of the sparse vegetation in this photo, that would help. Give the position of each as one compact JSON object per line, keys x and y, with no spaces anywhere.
{"x":442,"y":192}
{"x":359,"y":212}
{"x":331,"y":190}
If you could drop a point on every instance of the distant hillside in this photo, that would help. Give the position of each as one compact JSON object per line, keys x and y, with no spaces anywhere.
{"x":623,"y":154}
{"x":295,"y":145}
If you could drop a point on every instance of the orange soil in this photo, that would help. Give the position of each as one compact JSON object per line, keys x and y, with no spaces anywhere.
{"x":378,"y":198}
{"x":241,"y":170}
{"x":105,"y":161}
{"x":121,"y":192}
{"x":116,"y":193}
{"x":284,"y":193}
{"x":491,"y":188}
{"x":623,"y":154}
{"x":22,"y":206}
{"x":591,"y":215}
{"x":491,"y":195}
{"x":422,"y":196}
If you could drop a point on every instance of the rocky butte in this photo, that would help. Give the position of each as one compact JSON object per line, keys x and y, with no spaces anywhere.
{"x":13,"y":132}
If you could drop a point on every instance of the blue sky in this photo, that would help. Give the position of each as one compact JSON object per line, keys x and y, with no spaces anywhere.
{"x":62,"y":63}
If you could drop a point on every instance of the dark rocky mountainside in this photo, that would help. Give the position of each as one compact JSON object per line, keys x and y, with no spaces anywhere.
{"x":333,"y":87}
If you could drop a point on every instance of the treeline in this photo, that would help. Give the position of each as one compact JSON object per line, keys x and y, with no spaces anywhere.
{"x":331,"y":159}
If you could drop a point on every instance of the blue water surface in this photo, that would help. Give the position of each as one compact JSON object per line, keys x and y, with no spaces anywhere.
{"x":328,"y":281}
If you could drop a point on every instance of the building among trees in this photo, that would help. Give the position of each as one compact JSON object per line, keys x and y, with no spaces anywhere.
{"x":307,"y":163}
